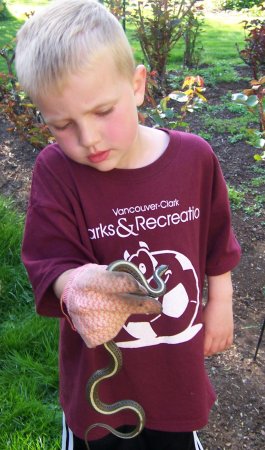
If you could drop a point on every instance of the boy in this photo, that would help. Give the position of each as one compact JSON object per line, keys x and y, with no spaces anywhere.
{"x":111,"y":189}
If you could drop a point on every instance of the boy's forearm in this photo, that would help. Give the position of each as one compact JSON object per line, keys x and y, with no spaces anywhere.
{"x":218,"y":315}
{"x":220,"y":288}
{"x":60,"y":282}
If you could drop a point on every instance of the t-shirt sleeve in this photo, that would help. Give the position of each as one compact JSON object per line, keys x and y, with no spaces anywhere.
{"x":55,"y":235}
{"x":223,"y":250}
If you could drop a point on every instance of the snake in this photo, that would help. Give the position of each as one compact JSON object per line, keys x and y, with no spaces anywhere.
{"x":115,"y":365}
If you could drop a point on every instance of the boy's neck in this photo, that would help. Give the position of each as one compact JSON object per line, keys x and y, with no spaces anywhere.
{"x":152,"y":144}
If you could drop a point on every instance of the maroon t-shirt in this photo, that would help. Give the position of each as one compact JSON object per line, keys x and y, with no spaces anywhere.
{"x":174,"y":211}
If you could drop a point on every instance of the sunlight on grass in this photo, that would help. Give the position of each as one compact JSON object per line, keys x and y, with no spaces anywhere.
{"x":18,"y":8}
{"x":218,"y":41}
{"x":223,"y":33}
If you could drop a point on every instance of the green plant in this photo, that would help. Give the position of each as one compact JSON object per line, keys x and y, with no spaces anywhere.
{"x":254,"y":100}
{"x":17,"y":106}
{"x":195,"y":20}
{"x":236,"y":197}
{"x":159,"y":25}
{"x":165,"y":113}
{"x":23,"y":114}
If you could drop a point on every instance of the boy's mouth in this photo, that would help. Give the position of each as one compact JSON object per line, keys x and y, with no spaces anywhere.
{"x":99,"y":156}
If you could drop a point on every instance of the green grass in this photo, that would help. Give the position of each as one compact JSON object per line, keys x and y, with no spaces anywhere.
{"x":218,"y":41}
{"x":218,"y":38}
{"x":10,"y":26}
{"x":8,"y":29}
{"x":30,"y":414}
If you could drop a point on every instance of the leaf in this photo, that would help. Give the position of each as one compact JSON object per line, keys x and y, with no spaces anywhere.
{"x":29,"y":105}
{"x":188,"y":81}
{"x":188,"y":92}
{"x":200,"y":81}
{"x":252,"y":101}
{"x":239,"y":98}
{"x":201,"y":97}
{"x":261,"y":143}
{"x":164,"y":102}
{"x":248,"y":92}
{"x":254,"y":82}
{"x":179,"y":96}
{"x":262,"y":80}
{"x":183,"y":124}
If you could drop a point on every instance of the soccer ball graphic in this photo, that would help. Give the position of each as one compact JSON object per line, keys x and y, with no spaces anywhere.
{"x":180,"y":302}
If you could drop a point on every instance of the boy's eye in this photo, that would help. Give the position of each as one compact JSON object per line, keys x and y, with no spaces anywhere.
{"x":104,"y":113}
{"x":58,"y":128}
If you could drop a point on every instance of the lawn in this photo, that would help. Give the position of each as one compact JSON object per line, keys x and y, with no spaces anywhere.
{"x":30,"y":415}
{"x":220,"y":34}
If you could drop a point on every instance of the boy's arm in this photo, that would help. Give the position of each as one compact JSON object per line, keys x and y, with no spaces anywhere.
{"x":218,"y":314}
{"x":99,"y":301}
{"x":61,"y":282}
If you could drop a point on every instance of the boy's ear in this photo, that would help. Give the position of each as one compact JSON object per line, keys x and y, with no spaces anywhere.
{"x":139,"y":80}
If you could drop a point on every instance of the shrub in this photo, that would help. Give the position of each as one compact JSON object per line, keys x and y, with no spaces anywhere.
{"x":18,"y":108}
{"x":253,"y":99}
{"x":118,"y":8}
{"x":254,"y":52}
{"x":191,"y":34}
{"x":159,"y":25}
{"x":164,"y":113}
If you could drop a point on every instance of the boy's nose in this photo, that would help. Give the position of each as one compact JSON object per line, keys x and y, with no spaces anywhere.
{"x":88,"y":135}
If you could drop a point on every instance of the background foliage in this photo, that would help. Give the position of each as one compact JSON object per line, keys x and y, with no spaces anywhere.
{"x":238,"y":4}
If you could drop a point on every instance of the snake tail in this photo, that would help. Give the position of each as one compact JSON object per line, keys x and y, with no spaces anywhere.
{"x":104,"y":408}
{"x":116,"y":360}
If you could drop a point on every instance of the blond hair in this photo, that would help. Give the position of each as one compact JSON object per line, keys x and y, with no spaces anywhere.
{"x":64,"y":39}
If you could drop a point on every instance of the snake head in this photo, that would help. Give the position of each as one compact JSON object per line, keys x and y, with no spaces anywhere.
{"x":160,"y":270}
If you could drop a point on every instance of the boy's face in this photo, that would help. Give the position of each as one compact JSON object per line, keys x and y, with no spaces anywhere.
{"x":94,"y":119}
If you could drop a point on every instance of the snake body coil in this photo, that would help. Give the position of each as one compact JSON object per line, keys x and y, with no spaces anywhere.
{"x":116,"y":360}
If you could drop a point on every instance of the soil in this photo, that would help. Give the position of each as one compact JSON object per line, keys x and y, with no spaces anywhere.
{"x":238,"y":418}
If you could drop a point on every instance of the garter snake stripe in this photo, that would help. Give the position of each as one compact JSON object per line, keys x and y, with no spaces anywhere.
{"x":116,"y":359}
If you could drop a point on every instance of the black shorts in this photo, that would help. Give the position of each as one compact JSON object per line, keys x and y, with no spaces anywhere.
{"x":147,"y":440}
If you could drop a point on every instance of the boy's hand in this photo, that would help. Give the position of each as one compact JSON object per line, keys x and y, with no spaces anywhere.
{"x":99,"y":302}
{"x":218,"y":315}
{"x":218,"y":328}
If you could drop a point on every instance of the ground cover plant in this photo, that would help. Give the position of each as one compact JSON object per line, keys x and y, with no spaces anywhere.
{"x":30,"y":414}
